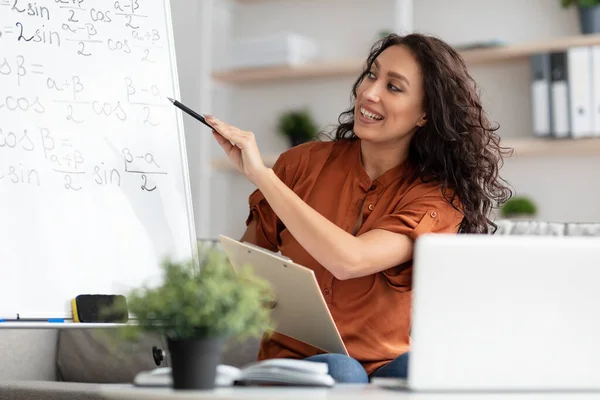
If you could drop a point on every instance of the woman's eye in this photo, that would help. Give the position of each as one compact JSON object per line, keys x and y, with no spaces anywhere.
{"x":394,"y":88}
{"x":370,"y":75}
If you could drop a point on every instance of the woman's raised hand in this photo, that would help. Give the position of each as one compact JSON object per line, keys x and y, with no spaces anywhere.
{"x":240,"y":146}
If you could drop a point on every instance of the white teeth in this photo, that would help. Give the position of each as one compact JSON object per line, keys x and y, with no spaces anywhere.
{"x":370,"y":115}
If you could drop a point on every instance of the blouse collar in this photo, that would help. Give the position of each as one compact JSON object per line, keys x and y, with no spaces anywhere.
{"x":384,"y":180}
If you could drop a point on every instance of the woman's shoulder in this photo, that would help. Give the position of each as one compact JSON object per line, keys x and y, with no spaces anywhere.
{"x":308,"y":160}
{"x":313,"y":152}
{"x":430,"y":191}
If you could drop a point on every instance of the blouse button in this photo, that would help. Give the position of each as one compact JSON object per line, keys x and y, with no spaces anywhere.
{"x":433,"y":214}
{"x":371,"y":207}
{"x":326,"y":291}
{"x":372,"y":187}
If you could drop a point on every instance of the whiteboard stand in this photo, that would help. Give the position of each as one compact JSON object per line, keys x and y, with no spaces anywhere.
{"x":206,"y":17}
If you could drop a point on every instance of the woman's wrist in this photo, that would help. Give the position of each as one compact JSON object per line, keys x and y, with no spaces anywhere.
{"x":263,"y":177}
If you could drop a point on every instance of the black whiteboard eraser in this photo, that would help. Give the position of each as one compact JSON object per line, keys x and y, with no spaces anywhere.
{"x":98,"y":308}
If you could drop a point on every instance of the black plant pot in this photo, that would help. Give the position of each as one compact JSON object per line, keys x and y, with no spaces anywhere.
{"x":589,"y":18}
{"x":296,"y":140}
{"x":194,"y":362}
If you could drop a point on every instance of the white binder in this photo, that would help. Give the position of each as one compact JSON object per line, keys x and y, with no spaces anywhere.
{"x":572,"y":92}
{"x":596,"y":90}
{"x":579,"y":70}
{"x":540,"y":94}
{"x":560,"y":95}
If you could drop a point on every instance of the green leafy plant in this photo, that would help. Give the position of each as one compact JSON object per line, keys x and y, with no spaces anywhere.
{"x":580,"y":3}
{"x":519,"y":206}
{"x":297,"y":125}
{"x":383,"y":33}
{"x":202,"y":299}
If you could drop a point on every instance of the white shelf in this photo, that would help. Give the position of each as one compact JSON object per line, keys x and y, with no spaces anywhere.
{"x":352,"y":67}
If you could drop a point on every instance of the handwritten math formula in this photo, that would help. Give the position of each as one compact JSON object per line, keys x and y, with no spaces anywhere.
{"x":83,"y":85}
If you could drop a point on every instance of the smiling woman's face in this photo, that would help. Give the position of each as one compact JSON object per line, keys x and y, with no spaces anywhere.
{"x":389,"y":100}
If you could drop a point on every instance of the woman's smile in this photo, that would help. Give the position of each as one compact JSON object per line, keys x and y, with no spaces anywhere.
{"x":369,"y":116}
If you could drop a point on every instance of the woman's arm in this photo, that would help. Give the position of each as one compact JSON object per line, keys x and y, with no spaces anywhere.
{"x":344,"y":255}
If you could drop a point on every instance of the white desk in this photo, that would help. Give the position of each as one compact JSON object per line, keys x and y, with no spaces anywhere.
{"x":342,"y":392}
{"x":35,"y":390}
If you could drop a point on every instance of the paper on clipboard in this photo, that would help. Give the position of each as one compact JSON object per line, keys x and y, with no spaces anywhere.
{"x":301,"y":312}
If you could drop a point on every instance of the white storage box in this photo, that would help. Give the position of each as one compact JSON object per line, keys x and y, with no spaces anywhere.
{"x":273,"y":50}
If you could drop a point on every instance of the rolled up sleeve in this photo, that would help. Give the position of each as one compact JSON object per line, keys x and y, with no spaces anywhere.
{"x":430,"y":214}
{"x":268,"y":224}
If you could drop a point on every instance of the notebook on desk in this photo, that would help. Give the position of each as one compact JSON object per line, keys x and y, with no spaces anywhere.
{"x":300,"y":312}
{"x":274,"y":372}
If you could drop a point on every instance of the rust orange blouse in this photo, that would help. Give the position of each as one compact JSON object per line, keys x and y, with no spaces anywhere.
{"x":372,"y":313}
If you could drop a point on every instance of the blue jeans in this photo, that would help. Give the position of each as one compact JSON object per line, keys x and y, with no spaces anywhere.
{"x":345,"y":369}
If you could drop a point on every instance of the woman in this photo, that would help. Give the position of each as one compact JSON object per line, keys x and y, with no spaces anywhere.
{"x":415,"y":154}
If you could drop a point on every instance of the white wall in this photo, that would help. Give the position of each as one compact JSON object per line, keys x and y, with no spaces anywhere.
{"x":563,"y":187}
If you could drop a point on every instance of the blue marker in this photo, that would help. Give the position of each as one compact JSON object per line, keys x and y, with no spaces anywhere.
{"x":56,"y":320}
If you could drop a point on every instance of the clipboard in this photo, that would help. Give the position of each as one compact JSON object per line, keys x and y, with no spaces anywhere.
{"x":301,"y":312}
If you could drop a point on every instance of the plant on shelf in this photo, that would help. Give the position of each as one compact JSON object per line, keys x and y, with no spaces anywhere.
{"x":198,"y":306}
{"x":298,"y":126}
{"x":589,"y":14}
{"x":519,"y":207}
{"x":383,"y":33}
{"x":580,"y":3}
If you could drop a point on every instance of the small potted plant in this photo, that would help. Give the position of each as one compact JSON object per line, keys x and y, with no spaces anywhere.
{"x":198,"y":307}
{"x":519,"y":207}
{"x":298,"y":126}
{"x":589,"y":14}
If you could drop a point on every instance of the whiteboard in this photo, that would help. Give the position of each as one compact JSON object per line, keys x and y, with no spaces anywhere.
{"x":94,"y":181}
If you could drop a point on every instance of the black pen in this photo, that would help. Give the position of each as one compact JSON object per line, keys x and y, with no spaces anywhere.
{"x":190,"y":112}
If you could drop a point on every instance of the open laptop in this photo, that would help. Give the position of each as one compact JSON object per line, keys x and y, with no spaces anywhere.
{"x":505,"y":313}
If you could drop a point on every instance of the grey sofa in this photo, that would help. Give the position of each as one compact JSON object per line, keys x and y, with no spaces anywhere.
{"x":91,"y":355}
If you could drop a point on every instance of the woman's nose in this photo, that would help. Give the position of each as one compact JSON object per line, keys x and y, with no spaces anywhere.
{"x":372,"y":93}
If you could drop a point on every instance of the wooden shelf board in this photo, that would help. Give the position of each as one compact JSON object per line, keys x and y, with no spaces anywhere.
{"x":305,"y":71}
{"x":541,"y":147}
{"x":525,"y":50}
{"x":352,"y":67}
{"x":526,"y":147}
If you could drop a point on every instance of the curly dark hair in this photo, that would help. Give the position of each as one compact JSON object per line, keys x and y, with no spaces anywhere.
{"x":457,"y":147}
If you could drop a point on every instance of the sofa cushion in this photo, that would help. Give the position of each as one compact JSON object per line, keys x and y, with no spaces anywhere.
{"x":547,"y":228}
{"x":100,"y":356}
{"x":583,"y":229}
{"x":28,"y":354}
